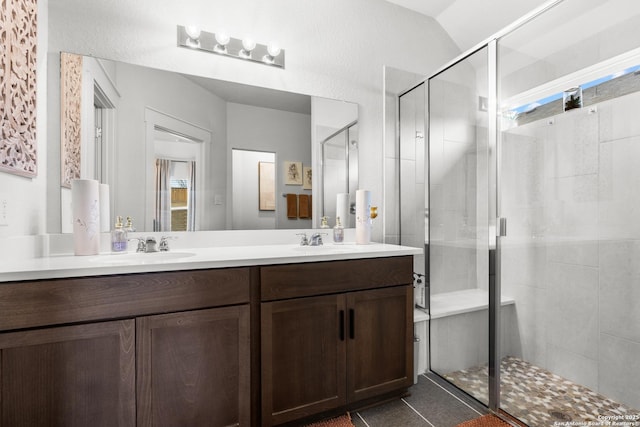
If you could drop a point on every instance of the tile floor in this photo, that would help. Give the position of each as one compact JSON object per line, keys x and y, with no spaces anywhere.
{"x":428,"y":405}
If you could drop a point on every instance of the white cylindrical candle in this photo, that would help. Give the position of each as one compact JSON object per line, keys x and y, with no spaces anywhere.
{"x":85,"y":202}
{"x":105,"y":216}
{"x":342,"y":209}
{"x":363,"y":217}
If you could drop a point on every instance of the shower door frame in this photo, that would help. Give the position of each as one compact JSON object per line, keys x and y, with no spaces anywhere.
{"x":493,"y":219}
{"x":346,"y":129}
{"x":497,"y":224}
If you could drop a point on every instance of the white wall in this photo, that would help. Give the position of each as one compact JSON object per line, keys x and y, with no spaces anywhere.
{"x":265,"y":129}
{"x":328,"y":53}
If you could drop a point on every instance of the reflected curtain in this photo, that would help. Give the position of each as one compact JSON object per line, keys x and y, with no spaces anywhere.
{"x":191,"y":212}
{"x":162,"y":219}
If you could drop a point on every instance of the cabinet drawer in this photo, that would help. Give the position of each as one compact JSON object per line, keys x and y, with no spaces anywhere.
{"x":320,"y":278}
{"x":59,"y":301}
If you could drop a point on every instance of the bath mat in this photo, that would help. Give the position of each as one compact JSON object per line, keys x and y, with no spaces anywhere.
{"x":341,"y":421}
{"x":485,"y":421}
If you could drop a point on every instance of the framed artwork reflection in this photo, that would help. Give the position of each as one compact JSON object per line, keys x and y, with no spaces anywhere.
{"x":293,"y":173}
{"x":306,"y":177}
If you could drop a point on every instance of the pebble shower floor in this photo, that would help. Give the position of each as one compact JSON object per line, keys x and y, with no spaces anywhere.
{"x":540,"y":398}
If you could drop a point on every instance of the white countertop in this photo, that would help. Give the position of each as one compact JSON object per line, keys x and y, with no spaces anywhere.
{"x":59,"y":266}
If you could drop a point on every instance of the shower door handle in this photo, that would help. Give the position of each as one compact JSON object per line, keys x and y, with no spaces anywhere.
{"x":502,"y":227}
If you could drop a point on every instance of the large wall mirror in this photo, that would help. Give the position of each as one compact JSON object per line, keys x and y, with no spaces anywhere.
{"x":186,"y":153}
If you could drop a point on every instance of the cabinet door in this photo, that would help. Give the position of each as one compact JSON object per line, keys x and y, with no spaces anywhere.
{"x":193,"y":368}
{"x":69,"y":376}
{"x":380,"y":341}
{"x":303,"y":357}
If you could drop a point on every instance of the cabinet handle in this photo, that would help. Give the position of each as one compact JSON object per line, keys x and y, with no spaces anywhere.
{"x":341,"y":325}
{"x":352,"y":327}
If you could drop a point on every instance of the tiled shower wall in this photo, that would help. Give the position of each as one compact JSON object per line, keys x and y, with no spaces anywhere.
{"x":458,"y":186}
{"x":408,"y":189}
{"x":571,"y":193}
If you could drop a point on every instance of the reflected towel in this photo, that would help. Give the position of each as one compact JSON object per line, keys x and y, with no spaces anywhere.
{"x":292,"y":206}
{"x":304,"y":207}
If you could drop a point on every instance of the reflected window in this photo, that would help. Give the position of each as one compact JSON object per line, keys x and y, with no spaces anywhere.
{"x":175,"y":197}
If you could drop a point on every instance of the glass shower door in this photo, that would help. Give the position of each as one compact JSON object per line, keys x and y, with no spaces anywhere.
{"x":459,"y":208}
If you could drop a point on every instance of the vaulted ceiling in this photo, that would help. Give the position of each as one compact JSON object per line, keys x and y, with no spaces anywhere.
{"x":469,"y":22}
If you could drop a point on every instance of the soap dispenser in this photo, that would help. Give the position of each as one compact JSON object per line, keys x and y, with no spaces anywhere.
{"x":119,"y":237}
{"x":324,"y":223}
{"x":129,"y":228}
{"x":338,"y":232}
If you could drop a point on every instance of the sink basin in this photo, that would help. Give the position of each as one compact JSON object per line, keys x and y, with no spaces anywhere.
{"x":141,"y":258}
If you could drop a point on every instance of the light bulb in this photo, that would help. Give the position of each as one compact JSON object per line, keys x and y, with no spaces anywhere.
{"x":273,"y":49}
{"x":193,"y":31}
{"x":222,"y":38}
{"x":248,"y":44}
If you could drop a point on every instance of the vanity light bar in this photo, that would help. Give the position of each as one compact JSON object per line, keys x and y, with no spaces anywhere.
{"x":193,"y":38}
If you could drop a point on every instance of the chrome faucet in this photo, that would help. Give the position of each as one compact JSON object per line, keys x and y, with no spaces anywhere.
{"x":147,"y":245}
{"x":316,"y":239}
{"x":142,"y":244}
{"x":164,"y":243}
{"x":304,"y":240}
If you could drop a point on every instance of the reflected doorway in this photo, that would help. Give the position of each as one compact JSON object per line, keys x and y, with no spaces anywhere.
{"x":177,"y":160}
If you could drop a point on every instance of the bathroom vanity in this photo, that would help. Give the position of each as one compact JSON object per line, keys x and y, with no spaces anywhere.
{"x":201,"y":340}
{"x":334,"y":334}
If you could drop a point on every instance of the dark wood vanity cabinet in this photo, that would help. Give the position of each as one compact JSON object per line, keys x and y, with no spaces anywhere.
{"x":380,"y":341}
{"x":334,"y":335}
{"x":243,"y":346}
{"x":303,"y":358}
{"x":81,"y":375}
{"x":156,"y":349}
{"x":194,"y":368}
